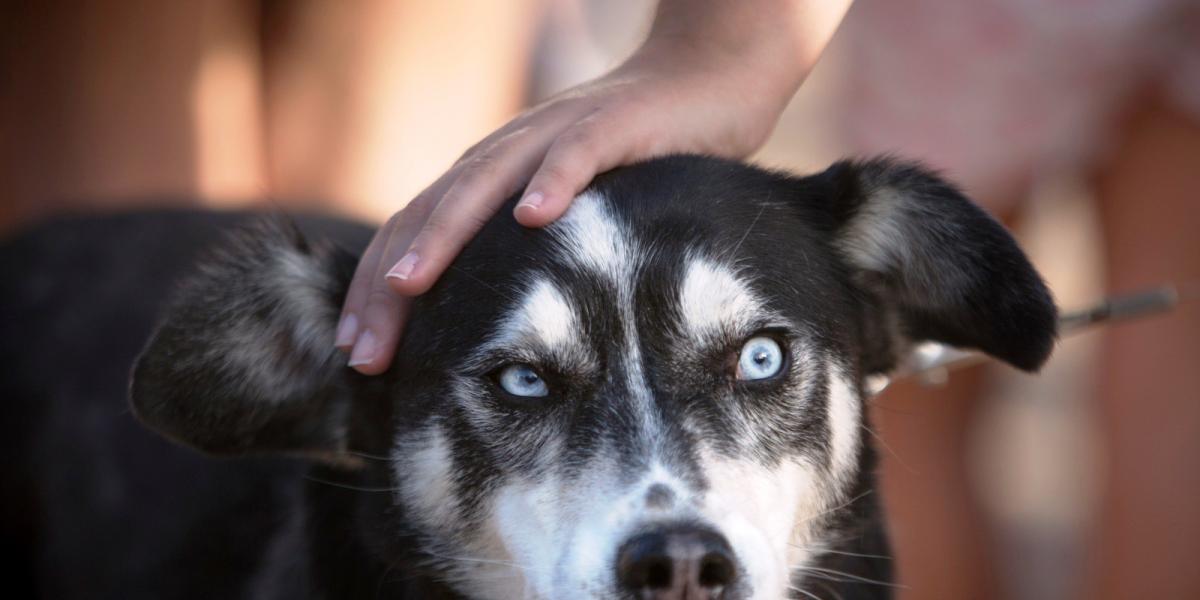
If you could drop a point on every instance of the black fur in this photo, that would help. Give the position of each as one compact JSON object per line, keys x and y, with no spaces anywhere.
{"x":184,"y":526}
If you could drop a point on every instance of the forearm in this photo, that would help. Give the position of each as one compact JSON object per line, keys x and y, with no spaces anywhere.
{"x":776,"y":42}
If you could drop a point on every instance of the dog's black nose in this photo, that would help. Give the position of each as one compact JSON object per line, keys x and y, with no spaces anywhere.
{"x":681,"y":562}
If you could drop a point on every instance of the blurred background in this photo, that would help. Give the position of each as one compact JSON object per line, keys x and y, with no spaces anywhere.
{"x":1077,"y":122}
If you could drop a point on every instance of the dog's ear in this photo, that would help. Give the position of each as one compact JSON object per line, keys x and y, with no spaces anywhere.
{"x":243,"y":360}
{"x":935,"y":266}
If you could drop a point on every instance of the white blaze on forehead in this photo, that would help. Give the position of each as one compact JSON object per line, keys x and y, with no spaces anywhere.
{"x":713,"y":299}
{"x":592,"y":238}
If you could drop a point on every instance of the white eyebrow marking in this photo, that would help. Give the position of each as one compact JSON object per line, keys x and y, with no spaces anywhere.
{"x":544,"y":314}
{"x":712,"y":299}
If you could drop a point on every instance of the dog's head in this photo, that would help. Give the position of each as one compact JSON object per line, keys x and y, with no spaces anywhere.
{"x":663,"y":390}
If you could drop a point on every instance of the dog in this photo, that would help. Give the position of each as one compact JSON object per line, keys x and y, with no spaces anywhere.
{"x":659,"y":396}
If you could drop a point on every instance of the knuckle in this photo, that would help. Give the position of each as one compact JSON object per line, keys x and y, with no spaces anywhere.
{"x":438,"y":225}
{"x":451,"y":230}
{"x":474,"y":150}
{"x":420,"y":206}
{"x":479,"y":169}
{"x":557,"y":172}
{"x":578,"y":138}
{"x":381,"y":296}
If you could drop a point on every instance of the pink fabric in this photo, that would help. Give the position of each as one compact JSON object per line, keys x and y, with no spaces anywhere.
{"x":992,"y":90}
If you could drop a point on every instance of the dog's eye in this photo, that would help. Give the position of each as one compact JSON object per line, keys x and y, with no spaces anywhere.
{"x":522,"y":380}
{"x":761,"y":358}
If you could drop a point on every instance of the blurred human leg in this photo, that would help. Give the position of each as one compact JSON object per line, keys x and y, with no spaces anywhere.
{"x":1147,"y":538}
{"x":939,"y":533}
{"x":367,"y":102}
{"x":106,"y":103}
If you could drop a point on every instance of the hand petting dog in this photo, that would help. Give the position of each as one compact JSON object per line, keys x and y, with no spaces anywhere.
{"x":711,"y":78}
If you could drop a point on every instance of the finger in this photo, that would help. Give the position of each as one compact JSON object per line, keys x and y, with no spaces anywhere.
{"x":485,"y":183}
{"x":349,"y":324}
{"x":570,"y":164}
{"x":375,"y":258}
{"x":384,"y":311}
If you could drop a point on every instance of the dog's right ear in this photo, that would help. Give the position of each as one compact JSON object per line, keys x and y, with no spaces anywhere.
{"x":933,"y":266}
{"x":243,"y":360}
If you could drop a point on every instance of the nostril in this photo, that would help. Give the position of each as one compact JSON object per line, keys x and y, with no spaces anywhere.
{"x":644,"y":564}
{"x":680,"y":561}
{"x":657,"y":575}
{"x":716,"y":571}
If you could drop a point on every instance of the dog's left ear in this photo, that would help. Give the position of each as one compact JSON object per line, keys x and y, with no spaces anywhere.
{"x":935,"y":265}
{"x":243,"y":361}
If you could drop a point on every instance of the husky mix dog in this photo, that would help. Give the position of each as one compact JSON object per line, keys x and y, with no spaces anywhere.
{"x":660,"y":396}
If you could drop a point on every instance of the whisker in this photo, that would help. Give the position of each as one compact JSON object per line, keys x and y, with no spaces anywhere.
{"x":805,"y":592}
{"x":489,"y":286}
{"x":369,"y":456}
{"x":348,"y":486}
{"x":733,"y":253}
{"x":503,"y":563}
{"x":838,"y":507}
{"x":383,"y":579}
{"x":826,"y":587}
{"x":831,"y":575}
{"x":879,"y":438}
{"x":839,"y":552}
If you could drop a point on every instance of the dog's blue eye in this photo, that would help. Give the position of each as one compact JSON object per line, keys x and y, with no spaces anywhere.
{"x":761,"y":358}
{"x":522,"y":380}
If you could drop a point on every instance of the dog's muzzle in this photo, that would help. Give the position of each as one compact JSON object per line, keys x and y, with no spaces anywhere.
{"x":678,"y":562}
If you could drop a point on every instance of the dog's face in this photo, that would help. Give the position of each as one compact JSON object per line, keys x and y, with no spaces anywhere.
{"x":658,"y":396}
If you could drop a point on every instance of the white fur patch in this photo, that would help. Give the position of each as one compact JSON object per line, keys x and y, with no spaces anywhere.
{"x":875,"y":237}
{"x":712,"y":299}
{"x":591,"y":237}
{"x":545,"y":315}
{"x":766,"y":514}
{"x":423,"y":466}
{"x":302,"y":288}
{"x":845,"y":418}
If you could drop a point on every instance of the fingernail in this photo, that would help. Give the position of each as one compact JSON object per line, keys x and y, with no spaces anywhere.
{"x":364,"y":349}
{"x":346,"y":331}
{"x":404,"y":267}
{"x":532,"y":201}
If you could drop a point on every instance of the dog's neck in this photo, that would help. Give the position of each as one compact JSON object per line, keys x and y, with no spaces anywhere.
{"x":320,"y":553}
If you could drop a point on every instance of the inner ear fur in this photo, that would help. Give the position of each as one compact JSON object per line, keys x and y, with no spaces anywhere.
{"x":934,"y":266}
{"x":243,"y":360}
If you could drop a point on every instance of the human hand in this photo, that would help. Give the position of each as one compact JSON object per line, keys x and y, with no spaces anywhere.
{"x":676,"y":94}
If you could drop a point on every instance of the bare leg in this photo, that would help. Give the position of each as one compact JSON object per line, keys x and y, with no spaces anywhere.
{"x":104,"y":103}
{"x":1148,"y":534}
{"x":368,"y":102}
{"x":939,"y":533}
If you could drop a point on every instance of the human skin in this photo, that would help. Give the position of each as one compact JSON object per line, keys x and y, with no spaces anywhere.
{"x":712,"y":77}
